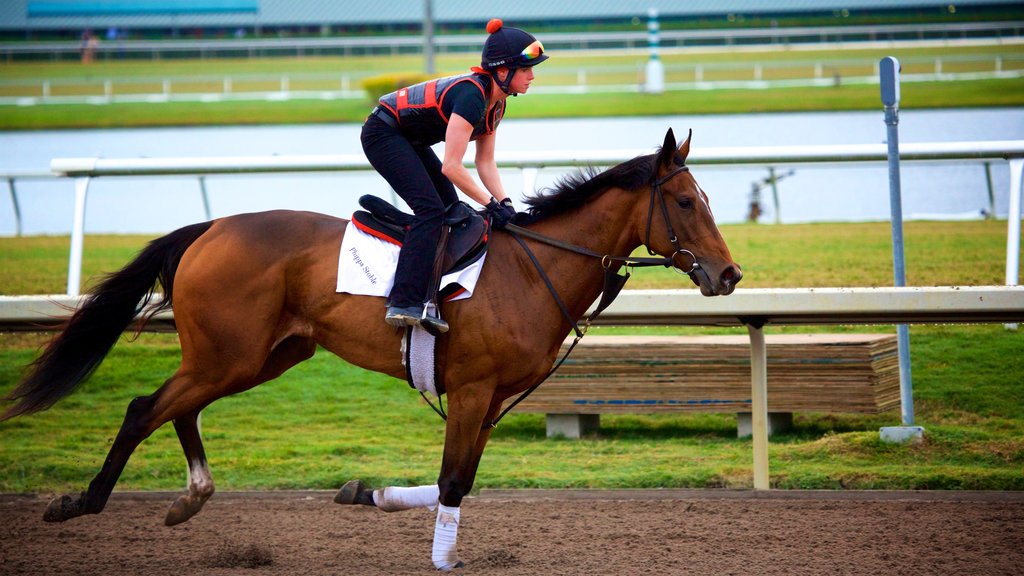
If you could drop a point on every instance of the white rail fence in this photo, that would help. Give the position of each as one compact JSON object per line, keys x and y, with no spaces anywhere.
{"x":558,"y":79}
{"x":348,"y":45}
{"x":754,"y":309}
{"x":82,"y":170}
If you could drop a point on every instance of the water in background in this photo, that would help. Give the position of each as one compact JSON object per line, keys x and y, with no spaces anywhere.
{"x":816,"y":193}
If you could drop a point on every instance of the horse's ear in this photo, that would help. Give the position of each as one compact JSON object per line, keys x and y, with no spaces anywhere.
{"x":668,"y":149}
{"x":684,"y":148}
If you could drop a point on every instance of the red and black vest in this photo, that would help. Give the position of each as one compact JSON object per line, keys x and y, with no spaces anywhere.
{"x":420,"y":116}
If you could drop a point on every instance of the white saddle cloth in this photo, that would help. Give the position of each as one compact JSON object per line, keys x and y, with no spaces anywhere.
{"x":366,"y":266}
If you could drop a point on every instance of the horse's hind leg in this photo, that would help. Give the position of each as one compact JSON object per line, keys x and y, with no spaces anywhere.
{"x":200,"y":484}
{"x":286,"y":354}
{"x":181,"y":394}
{"x":139,"y":422}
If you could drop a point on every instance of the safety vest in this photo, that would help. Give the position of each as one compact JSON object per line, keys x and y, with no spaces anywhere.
{"x":419,"y":112}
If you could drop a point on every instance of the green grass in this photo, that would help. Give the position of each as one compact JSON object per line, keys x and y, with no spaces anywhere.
{"x":325,"y":422}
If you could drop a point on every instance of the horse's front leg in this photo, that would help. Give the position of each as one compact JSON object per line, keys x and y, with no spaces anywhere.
{"x":464,"y":442}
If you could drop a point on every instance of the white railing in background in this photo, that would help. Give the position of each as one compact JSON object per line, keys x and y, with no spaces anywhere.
{"x":988,"y":32}
{"x":753,"y":308}
{"x":84,"y":169}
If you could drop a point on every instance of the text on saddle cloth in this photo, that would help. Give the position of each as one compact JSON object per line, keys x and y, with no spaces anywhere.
{"x":366,"y":267}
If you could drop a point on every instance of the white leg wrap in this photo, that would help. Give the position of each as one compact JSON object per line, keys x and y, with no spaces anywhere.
{"x":446,"y":531}
{"x":395,"y":498}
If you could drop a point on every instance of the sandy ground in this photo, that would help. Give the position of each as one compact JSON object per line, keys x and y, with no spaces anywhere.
{"x":533,"y":532}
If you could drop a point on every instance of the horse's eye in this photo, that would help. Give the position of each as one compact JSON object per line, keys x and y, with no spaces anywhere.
{"x":685,"y":203}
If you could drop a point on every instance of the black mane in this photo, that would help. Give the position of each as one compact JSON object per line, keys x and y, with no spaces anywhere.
{"x":577,"y":188}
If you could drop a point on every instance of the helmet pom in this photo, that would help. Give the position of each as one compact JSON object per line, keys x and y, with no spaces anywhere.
{"x":494,"y":25}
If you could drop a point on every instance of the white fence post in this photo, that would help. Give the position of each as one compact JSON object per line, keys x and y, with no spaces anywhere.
{"x":77,"y":237}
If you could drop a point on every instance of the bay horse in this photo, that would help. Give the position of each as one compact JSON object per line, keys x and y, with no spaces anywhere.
{"x":254,"y":294}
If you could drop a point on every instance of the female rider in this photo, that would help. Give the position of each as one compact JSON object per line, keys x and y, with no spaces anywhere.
{"x":397,"y":137}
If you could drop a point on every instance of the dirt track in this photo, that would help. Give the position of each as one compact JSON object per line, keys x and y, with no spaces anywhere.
{"x":685,"y":532}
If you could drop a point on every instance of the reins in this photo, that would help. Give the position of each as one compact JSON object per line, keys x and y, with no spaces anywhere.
{"x":613,"y":282}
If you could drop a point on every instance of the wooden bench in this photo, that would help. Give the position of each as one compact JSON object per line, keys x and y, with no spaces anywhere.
{"x":670,"y":374}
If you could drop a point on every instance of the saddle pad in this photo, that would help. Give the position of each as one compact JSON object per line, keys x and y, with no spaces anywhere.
{"x":366,"y":267}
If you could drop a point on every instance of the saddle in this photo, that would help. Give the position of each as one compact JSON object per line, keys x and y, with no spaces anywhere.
{"x":463,"y":237}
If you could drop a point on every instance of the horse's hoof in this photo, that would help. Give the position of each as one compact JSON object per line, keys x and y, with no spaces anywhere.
{"x":182,"y":509}
{"x":456,"y":566}
{"x":63,"y":508}
{"x":354,"y":492}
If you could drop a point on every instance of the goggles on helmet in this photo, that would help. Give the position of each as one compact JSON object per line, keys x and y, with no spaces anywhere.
{"x":532,"y":52}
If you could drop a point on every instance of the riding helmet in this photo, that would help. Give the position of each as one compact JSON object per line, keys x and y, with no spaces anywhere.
{"x":510,"y":48}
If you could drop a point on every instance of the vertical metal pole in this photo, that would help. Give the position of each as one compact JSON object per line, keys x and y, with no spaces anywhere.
{"x":775,"y":194}
{"x":428,"y":38}
{"x":14,"y":204}
{"x":991,"y":192}
{"x":1013,"y":226}
{"x":206,"y":198}
{"x":77,"y":237}
{"x":889,"y":75}
{"x":529,"y":180}
{"x":759,"y":406}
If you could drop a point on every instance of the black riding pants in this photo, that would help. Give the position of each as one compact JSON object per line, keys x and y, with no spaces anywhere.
{"x":415,"y":174}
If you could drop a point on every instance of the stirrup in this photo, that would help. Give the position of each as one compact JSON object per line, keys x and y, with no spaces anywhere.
{"x":431,"y":320}
{"x":402,"y":316}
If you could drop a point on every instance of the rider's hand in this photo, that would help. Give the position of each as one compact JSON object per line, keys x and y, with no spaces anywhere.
{"x":501,"y":212}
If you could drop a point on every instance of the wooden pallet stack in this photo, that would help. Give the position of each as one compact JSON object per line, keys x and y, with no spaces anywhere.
{"x":806,"y":373}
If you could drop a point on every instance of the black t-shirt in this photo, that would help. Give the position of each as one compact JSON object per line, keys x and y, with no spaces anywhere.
{"x":466,"y":100}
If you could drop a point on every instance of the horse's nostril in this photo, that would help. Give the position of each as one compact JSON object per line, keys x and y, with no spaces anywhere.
{"x":731,"y":275}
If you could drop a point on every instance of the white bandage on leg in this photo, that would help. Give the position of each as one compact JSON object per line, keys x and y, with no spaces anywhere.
{"x":446,"y":531}
{"x":395,"y":498}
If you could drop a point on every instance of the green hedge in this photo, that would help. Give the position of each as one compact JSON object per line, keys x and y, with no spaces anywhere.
{"x":377,"y":86}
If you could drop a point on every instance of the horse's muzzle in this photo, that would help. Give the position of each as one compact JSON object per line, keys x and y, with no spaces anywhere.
{"x":723,"y":285}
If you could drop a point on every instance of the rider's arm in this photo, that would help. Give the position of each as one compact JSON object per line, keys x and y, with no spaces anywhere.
{"x":487,"y":168}
{"x":456,"y":142}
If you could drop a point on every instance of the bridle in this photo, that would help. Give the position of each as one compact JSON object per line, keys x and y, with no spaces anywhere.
{"x":656,"y":192}
{"x":613,"y":282}
{"x":657,"y":197}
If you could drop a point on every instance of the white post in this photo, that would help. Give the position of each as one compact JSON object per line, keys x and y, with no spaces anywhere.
{"x":77,"y":237}
{"x":1013,"y":226}
{"x":167,"y":87}
{"x":46,"y":89}
{"x":529,"y":180}
{"x":655,"y":69}
{"x":227,"y":85}
{"x":759,"y":406}
{"x":108,"y":89}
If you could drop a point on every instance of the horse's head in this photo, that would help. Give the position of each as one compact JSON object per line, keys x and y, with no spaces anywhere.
{"x":691,"y":235}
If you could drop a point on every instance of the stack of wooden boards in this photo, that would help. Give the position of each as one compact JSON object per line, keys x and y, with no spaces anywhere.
{"x":645,"y":374}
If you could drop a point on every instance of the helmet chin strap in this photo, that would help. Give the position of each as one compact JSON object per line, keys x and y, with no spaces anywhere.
{"x":506,"y":85}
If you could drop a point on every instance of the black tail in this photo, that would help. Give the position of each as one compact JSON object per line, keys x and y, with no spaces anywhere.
{"x":92,"y":331}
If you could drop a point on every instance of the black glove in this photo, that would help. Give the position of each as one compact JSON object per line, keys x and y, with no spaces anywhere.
{"x":501,"y":212}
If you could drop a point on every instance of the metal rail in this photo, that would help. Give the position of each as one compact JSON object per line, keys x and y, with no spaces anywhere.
{"x":83,"y":169}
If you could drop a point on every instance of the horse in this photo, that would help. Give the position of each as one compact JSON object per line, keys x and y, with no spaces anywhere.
{"x":254,"y":294}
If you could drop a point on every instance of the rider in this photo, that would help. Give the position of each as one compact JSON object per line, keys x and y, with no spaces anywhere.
{"x":397,"y":137}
